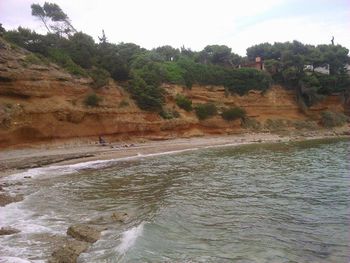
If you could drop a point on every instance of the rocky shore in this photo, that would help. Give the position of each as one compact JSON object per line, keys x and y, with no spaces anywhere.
{"x":81,"y":236}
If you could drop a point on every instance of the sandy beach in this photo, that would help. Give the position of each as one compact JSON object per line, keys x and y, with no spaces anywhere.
{"x":17,"y":160}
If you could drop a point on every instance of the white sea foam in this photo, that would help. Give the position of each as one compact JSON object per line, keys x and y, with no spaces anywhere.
{"x":129,"y":238}
{"x":14,"y":215}
{"x":13,"y":260}
{"x":56,"y":170}
{"x":59,"y":169}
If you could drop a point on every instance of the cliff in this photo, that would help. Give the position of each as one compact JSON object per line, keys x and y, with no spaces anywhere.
{"x":39,"y":102}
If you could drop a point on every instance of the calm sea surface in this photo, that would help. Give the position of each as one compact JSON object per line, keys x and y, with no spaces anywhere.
{"x":258,"y":203}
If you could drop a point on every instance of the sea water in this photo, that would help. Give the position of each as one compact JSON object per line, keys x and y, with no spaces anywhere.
{"x":285,"y":202}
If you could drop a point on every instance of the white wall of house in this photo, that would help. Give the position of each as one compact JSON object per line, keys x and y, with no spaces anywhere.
{"x":347,"y":68}
{"x":323,"y":70}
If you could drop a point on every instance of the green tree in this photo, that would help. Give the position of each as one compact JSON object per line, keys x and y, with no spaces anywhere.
{"x":183,"y":102}
{"x":217,"y":55}
{"x":335,"y":56}
{"x":52,"y":12}
{"x":82,"y":49}
{"x":117,"y":59}
{"x":39,"y":12}
{"x":148,"y":97}
{"x":263,"y":50}
{"x":168,"y":53}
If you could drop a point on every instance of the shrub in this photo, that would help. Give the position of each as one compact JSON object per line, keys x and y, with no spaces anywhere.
{"x":99,"y":76}
{"x":183,"y":102}
{"x":63,"y":59}
{"x":204,"y":111}
{"x":32,"y":59}
{"x":252,"y":124}
{"x":275,"y":125}
{"x":233,"y":114}
{"x":333,"y":119}
{"x":92,"y":100}
{"x":169,"y":114}
{"x":123,"y":103}
{"x":305,"y":125}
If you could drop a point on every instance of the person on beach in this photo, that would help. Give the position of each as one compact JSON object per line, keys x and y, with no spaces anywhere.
{"x":101,"y":140}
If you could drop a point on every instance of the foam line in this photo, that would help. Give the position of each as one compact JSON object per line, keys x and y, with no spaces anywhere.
{"x":56,"y":170}
{"x":129,"y":238}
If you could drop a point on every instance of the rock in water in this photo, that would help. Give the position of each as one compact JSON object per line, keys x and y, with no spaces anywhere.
{"x":7,"y":199}
{"x":115,"y":217}
{"x":84,"y":233}
{"x":8,"y":231}
{"x":68,"y":252}
{"x":121,"y":217}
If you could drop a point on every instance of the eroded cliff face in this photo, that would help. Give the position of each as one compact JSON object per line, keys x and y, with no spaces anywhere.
{"x":43,"y":103}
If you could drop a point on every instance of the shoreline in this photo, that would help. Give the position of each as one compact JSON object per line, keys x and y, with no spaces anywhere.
{"x":20,"y":160}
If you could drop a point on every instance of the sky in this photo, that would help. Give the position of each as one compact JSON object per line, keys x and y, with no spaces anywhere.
{"x":195,"y":24}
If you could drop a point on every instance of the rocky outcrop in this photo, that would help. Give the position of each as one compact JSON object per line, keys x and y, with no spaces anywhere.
{"x":120,"y":217}
{"x":5,"y":231}
{"x":81,"y":236}
{"x":69,"y":252}
{"x":8,"y":199}
{"x":84,"y":233}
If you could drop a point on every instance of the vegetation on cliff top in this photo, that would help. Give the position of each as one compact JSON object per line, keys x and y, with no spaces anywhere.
{"x":145,"y":70}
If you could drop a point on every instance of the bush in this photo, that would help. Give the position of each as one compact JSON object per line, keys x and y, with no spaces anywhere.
{"x":92,"y":100}
{"x":32,"y":59}
{"x":275,"y":125}
{"x":333,"y":119}
{"x":183,"y":102}
{"x":123,"y":103}
{"x":100,"y":77}
{"x":233,"y":114}
{"x":305,"y":125}
{"x":169,"y":114}
{"x":251,"y":124}
{"x":204,"y":111}
{"x":63,"y":59}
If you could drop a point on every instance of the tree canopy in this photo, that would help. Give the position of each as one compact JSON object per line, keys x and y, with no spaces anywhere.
{"x":53,"y":17}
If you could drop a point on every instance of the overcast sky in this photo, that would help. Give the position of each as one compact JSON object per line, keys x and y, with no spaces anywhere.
{"x":195,"y":23}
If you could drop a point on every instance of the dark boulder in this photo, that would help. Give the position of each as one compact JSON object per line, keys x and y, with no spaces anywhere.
{"x":68,"y":252}
{"x":7,"y":199}
{"x":84,"y":232}
{"x":4,"y":231}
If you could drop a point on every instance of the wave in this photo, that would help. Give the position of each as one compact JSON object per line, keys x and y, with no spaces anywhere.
{"x":129,"y":238}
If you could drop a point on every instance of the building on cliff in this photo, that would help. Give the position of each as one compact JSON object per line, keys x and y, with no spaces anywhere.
{"x":321,"y":69}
